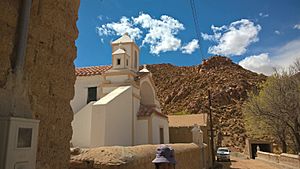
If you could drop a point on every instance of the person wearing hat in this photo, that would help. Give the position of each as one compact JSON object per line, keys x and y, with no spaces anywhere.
{"x":165,"y":158}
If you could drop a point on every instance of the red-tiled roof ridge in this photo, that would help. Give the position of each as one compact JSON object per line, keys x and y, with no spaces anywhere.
{"x":91,"y":70}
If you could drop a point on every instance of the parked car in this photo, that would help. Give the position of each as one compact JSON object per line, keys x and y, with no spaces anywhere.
{"x":223,"y":154}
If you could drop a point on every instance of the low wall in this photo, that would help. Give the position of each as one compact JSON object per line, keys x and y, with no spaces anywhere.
{"x":288,"y":160}
{"x":135,"y":157}
{"x":268,"y":156}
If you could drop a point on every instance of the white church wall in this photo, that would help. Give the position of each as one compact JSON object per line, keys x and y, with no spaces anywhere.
{"x":118,"y":116}
{"x":142,"y":132}
{"x":98,"y":125}
{"x":136,"y":107}
{"x":157,"y":123}
{"x":117,"y":79}
{"x":107,"y":90}
{"x":127,"y":48}
{"x":81,"y":86}
{"x":136,"y":91}
{"x":81,"y":125}
{"x":147,"y":93}
{"x":119,"y":119}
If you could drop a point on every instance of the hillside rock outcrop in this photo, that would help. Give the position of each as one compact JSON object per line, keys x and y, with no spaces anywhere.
{"x":185,"y":90}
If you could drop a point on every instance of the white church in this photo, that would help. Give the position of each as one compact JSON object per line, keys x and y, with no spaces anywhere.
{"x":117,"y":105}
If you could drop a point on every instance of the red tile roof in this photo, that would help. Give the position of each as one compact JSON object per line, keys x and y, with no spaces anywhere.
{"x":92,"y":70}
{"x":146,"y":110}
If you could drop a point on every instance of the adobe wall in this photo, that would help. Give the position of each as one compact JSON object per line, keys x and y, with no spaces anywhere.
{"x":135,"y":157}
{"x":184,"y":134}
{"x":48,"y":72}
{"x":180,"y":134}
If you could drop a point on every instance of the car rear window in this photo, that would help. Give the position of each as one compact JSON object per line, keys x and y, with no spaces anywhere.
{"x":224,"y":150}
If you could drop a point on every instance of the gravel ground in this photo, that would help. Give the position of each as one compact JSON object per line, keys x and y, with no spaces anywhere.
{"x":242,"y":163}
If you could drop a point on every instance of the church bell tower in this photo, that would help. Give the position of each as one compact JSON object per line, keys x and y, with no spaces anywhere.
{"x":125,"y":54}
{"x":125,"y":65}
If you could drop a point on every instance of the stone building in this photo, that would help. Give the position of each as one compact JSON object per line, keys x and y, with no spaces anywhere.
{"x":117,"y":104}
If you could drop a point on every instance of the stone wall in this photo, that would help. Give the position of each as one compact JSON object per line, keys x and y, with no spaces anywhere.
{"x":283,"y":160}
{"x":48,"y":72}
{"x":184,"y":134}
{"x":135,"y":157}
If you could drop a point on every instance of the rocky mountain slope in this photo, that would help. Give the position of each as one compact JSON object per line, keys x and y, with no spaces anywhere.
{"x":184,"y":90}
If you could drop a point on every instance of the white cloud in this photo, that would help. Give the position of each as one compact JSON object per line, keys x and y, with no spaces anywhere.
{"x":297,"y":26}
{"x":277,"y":32}
{"x":263,"y":15}
{"x":258,"y":63}
{"x":119,"y":28}
{"x":190,"y":47}
{"x":161,"y":32}
{"x":206,"y":36}
{"x":233,"y":39}
{"x":281,"y":57}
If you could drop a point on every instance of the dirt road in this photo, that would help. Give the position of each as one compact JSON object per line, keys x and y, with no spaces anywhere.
{"x":240,"y":163}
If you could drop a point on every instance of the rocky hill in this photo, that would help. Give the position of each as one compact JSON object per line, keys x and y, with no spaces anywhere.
{"x":184,"y":90}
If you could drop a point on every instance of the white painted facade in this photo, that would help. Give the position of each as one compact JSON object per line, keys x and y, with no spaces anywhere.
{"x":81,"y":88}
{"x":124,"y":93}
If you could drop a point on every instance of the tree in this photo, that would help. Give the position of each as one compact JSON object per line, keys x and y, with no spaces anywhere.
{"x":260,"y":127}
{"x":277,"y":105}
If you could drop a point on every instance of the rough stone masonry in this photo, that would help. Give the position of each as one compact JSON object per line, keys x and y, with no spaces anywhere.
{"x":48,"y":74}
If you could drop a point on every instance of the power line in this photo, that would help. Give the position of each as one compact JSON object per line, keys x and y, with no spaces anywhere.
{"x":197,"y":26}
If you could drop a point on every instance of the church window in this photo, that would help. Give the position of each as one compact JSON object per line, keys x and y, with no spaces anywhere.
{"x":118,"y":61}
{"x":126,"y":62}
{"x":161,"y":136}
{"x":135,"y":59}
{"x":92,"y":94}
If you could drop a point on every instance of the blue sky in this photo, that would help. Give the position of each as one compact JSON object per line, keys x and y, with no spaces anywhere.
{"x":257,"y":34}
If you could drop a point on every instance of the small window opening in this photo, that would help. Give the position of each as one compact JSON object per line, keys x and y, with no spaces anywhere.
{"x":161,"y":136}
{"x":92,"y":94}
{"x":135,"y":59}
{"x":118,"y":61}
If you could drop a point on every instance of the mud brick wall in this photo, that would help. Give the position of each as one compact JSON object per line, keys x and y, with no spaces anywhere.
{"x":180,"y":134}
{"x":135,"y":157}
{"x":184,"y":134}
{"x":48,"y":72}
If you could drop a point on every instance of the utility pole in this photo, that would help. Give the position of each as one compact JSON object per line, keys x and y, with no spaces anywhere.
{"x":211,"y":130}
